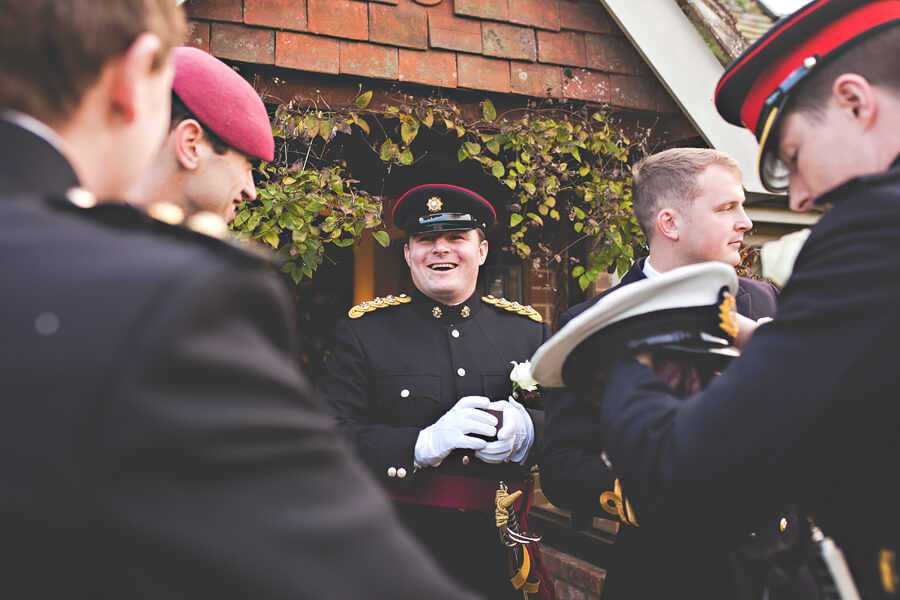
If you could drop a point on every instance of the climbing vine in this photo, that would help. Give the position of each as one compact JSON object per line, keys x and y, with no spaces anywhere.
{"x":565,"y":169}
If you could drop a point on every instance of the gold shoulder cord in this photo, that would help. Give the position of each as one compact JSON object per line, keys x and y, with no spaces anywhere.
{"x":514,"y":307}
{"x":618,"y":505}
{"x":370,"y":305}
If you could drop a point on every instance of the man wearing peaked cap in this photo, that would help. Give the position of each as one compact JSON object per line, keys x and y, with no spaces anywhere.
{"x":809,"y":409}
{"x":409,"y":380}
{"x":219,"y":126}
{"x":156,"y":438}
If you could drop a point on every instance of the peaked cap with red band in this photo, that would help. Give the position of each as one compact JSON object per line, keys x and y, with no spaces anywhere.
{"x":756,"y":86}
{"x":442,"y":207}
{"x":223,"y":101}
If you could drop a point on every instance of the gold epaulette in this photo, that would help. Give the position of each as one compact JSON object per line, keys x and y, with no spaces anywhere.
{"x":370,"y":305}
{"x":525,"y":311}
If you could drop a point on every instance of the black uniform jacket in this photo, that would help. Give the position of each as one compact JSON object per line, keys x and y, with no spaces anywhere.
{"x":396,"y":370}
{"x":647,"y":562}
{"x":809,"y":411}
{"x":156,"y":440}
{"x":573,"y":475}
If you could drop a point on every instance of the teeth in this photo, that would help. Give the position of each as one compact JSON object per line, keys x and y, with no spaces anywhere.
{"x":442,"y":266}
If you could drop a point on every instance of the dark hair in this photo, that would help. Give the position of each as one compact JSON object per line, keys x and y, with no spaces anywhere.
{"x":52,"y":52}
{"x":872,"y":58}
{"x":180,"y":112}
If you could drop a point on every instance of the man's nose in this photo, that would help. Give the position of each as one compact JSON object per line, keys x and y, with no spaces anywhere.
{"x":798,"y":195}
{"x":743,"y":223}
{"x":249,"y":189}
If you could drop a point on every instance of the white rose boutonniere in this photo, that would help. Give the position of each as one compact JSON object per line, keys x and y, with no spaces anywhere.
{"x":525,"y":388}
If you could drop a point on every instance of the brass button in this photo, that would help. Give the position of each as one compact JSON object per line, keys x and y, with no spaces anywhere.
{"x":455,"y":333}
{"x":466,"y":459}
{"x":783,"y":524}
{"x":404,"y":393}
{"x":401,"y":473}
{"x":461,"y":372}
{"x":392,"y":471}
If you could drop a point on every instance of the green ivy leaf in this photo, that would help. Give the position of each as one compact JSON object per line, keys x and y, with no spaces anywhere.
{"x":408,"y":131}
{"x":515,"y":219}
{"x":406,"y":157}
{"x":578,"y":271}
{"x":363,"y":99}
{"x":488,"y":110}
{"x":271,"y":238}
{"x":382,"y":238}
{"x":473,"y":148}
{"x":497,"y":170}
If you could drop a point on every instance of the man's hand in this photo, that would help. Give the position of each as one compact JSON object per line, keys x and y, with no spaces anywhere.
{"x":453,"y":430}
{"x":514,"y":439}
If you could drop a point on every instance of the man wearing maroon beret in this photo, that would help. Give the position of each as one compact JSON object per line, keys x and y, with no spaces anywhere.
{"x":219,"y":125}
{"x":810,"y":409}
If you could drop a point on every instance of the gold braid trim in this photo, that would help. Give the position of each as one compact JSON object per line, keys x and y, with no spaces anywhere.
{"x":514,"y":307}
{"x":370,"y":305}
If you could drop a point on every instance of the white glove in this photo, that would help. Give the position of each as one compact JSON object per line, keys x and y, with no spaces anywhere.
{"x":452,"y":430}
{"x":514,"y":439}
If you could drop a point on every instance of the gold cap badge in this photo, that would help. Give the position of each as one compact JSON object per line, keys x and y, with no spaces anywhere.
{"x":434,"y":204}
{"x":728,"y":315}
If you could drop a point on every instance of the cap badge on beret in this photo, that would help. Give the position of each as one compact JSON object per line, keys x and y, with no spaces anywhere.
{"x":728,"y":314}
{"x":434,"y":204}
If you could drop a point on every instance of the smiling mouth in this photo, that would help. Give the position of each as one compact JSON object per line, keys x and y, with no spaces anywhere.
{"x":442,"y":267}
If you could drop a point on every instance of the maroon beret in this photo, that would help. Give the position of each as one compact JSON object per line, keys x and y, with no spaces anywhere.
{"x":223,"y":101}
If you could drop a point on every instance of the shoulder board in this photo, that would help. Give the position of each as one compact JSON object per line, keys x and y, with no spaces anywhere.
{"x":524,"y":310}
{"x":376,"y":303}
{"x":167,"y":220}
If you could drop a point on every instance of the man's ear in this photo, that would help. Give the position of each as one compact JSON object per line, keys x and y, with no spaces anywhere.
{"x":188,"y":138}
{"x":667,"y":224}
{"x":129,"y":73}
{"x":482,"y":252}
{"x":406,"y":254}
{"x":854,"y":93}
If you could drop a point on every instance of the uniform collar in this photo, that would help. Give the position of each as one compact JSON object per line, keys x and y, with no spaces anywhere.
{"x":30,"y":164}
{"x":438,"y":311}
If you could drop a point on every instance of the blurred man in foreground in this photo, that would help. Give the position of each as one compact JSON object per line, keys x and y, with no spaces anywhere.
{"x":155,"y":440}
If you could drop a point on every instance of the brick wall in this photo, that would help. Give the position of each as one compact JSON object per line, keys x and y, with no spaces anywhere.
{"x":573,"y":578}
{"x":538,"y":48}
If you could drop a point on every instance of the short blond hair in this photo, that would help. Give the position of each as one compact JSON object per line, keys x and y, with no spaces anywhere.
{"x":668,"y":179}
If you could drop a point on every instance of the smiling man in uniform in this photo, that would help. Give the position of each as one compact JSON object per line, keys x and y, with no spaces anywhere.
{"x":409,"y":379}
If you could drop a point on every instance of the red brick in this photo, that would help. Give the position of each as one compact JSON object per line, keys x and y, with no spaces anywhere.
{"x":368,"y":60}
{"x":282,"y":14}
{"x":307,"y":52}
{"x":586,"y":15}
{"x":197,"y":35}
{"x":497,"y":10}
{"x":482,"y":73}
{"x":247,"y":44}
{"x":508,"y":41}
{"x":534,"y":79}
{"x":633,"y":91}
{"x":446,"y":30}
{"x":215,"y":10}
{"x":434,"y":67}
{"x":543,"y":14}
{"x":581,"y":84}
{"x":403,"y":25}
{"x":340,"y":18}
{"x":563,"y":48}
{"x":612,"y":53}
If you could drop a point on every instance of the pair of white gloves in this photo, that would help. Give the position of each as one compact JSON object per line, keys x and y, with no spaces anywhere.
{"x":453,"y":430}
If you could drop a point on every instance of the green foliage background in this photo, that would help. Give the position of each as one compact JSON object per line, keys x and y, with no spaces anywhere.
{"x":563,"y":169}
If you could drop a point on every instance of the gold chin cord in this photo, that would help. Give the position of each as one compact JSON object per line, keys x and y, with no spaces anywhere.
{"x":514,"y":539}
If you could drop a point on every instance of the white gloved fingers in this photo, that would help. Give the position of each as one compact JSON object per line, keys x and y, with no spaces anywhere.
{"x":470,"y":426}
{"x":496,"y":452}
{"x":472,"y":402}
{"x":471,"y":443}
{"x":476,"y":415}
